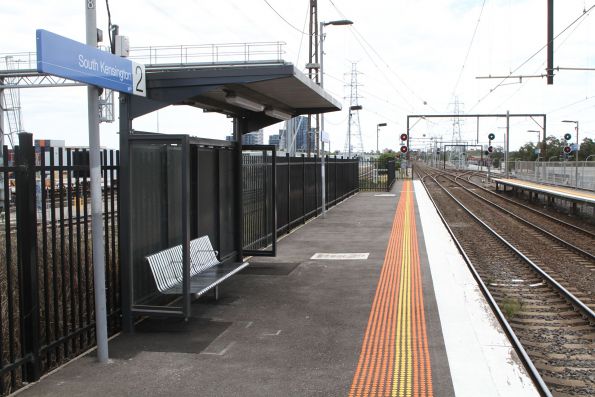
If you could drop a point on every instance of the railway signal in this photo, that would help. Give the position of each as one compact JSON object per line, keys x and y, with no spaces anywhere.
{"x":567,"y":149}
{"x":403,"y":137}
{"x":567,"y":137}
{"x":404,"y":149}
{"x":490,"y":149}
{"x":492,"y":136}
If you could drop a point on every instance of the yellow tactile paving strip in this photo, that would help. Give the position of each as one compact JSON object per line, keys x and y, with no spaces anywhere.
{"x":566,"y":192}
{"x":394,"y":360}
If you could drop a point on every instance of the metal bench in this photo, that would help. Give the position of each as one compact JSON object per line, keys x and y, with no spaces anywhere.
{"x":206,"y":272}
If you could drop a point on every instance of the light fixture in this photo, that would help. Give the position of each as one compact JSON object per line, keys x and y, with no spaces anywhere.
{"x":338,"y":22}
{"x":244,"y":103}
{"x":277,"y":114}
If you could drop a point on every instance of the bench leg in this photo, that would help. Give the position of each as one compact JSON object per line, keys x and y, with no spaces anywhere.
{"x":216,"y":292}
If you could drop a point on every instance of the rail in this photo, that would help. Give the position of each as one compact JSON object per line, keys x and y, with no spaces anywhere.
{"x":528,"y":363}
{"x":237,"y":53}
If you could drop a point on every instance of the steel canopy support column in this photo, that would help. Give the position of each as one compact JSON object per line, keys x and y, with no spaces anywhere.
{"x":96,"y":207}
{"x":124,"y":207}
{"x":238,"y":130}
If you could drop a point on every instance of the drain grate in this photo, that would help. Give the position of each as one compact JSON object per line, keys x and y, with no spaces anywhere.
{"x":269,"y":268}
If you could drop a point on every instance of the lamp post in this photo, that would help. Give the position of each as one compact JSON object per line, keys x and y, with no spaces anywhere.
{"x":377,"y":131}
{"x":322,"y":134}
{"x":577,"y":149}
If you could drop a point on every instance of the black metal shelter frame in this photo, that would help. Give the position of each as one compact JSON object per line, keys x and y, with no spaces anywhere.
{"x":255,"y":95}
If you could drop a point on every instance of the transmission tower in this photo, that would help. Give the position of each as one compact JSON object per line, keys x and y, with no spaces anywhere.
{"x":313,"y":67}
{"x":457,"y":151}
{"x":354,"y":142}
{"x":456,"y":120}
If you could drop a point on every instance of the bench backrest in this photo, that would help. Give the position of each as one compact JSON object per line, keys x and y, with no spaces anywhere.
{"x":202,"y":255}
{"x":167,"y":265}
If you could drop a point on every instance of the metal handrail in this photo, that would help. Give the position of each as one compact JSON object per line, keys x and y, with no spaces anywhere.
{"x":175,"y":54}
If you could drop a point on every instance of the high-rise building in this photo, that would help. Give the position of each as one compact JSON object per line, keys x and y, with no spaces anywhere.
{"x":274,"y":140}
{"x":294,"y":137}
{"x":251,"y":138}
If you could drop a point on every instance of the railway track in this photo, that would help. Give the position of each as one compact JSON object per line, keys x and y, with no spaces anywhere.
{"x":555,"y":328}
{"x":553,"y":251}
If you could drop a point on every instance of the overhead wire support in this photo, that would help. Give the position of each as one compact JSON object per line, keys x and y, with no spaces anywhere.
{"x":520,"y":76}
{"x":585,"y":12}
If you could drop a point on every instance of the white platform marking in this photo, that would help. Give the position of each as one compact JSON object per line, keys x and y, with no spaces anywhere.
{"x":220,"y":353}
{"x":481,"y":359}
{"x":385,"y":195}
{"x":341,"y":256}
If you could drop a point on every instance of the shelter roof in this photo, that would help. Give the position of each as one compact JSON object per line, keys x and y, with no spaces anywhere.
{"x":261,"y":93}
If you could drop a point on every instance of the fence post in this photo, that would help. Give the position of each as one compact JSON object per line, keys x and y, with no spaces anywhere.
{"x":288,"y":192}
{"x":26,"y":255}
{"x":316,"y":185}
{"x":304,"y":188}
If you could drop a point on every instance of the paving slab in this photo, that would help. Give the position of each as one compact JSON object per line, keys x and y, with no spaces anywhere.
{"x":288,"y":326}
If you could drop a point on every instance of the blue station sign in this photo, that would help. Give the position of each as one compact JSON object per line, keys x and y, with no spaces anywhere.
{"x":63,"y":57}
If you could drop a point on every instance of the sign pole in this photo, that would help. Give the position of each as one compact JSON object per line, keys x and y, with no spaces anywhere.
{"x":96,"y":208}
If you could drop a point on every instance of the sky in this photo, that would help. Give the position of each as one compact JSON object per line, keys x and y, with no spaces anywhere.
{"x":412,"y":58}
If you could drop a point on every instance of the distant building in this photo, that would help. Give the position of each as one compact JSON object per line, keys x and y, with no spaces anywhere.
{"x":294,"y":138}
{"x":251,"y":138}
{"x":275,"y":139}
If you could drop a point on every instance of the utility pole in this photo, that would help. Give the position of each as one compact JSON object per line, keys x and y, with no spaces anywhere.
{"x":96,"y":208}
{"x":313,"y":67}
{"x":550,"y":42}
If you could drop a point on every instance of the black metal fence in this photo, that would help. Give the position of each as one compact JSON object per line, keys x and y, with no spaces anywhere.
{"x":46,"y":275}
{"x":298,"y":191}
{"x":376,"y":174}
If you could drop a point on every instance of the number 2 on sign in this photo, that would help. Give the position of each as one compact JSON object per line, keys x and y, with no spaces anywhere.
{"x":139,"y":72}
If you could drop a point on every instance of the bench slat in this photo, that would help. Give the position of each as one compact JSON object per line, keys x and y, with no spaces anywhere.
{"x":167,"y":267}
{"x":208,"y":279}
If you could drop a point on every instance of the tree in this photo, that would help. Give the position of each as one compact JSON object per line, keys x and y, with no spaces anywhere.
{"x":555,"y":148}
{"x":525,"y":153}
{"x":587,"y":149}
{"x":385,"y":157}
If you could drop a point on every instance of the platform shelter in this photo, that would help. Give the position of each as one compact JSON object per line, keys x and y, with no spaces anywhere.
{"x":176,"y":188}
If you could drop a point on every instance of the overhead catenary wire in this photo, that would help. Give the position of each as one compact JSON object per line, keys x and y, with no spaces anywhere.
{"x":585,"y":12}
{"x":542,"y":65}
{"x":469,"y":48}
{"x":285,"y":20}
{"x":297,"y":61}
{"x":109,"y":27}
{"x":363,"y":42}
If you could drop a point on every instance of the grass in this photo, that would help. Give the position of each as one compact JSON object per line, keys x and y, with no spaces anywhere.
{"x":511,"y":307}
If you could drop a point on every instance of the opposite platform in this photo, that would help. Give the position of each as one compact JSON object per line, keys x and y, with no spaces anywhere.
{"x":567,"y":193}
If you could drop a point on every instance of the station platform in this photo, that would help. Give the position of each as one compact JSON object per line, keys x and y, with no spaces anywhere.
{"x":567,"y":193}
{"x":372,"y":300}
